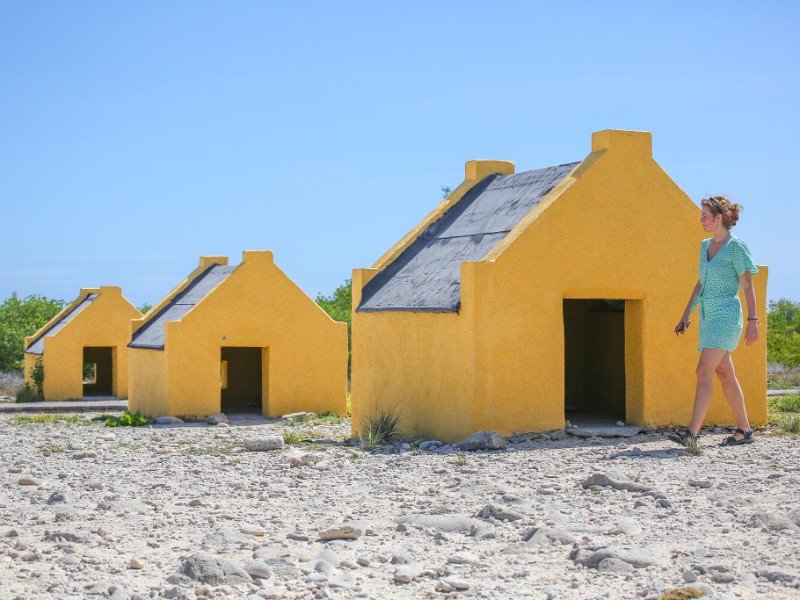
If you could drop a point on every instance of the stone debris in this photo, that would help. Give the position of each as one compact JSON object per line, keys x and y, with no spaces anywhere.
{"x":483,"y":440}
{"x":168,"y":420}
{"x":341,"y":532}
{"x":188,"y":512}
{"x":217,"y":419}
{"x":265,"y":444}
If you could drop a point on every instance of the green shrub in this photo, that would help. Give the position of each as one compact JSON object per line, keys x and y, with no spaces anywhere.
{"x":128,"y":419}
{"x":379,"y":429}
{"x":788,"y":403}
{"x":783,"y":333}
{"x":19,"y":319}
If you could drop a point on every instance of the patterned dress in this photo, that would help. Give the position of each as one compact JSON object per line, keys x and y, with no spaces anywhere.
{"x":721,"y":319}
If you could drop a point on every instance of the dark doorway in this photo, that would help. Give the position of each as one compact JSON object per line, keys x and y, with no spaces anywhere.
{"x":98,"y":371}
{"x":241,"y":380}
{"x":594,"y":361}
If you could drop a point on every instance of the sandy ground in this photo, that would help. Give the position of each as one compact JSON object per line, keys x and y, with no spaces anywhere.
{"x":186,"y":512}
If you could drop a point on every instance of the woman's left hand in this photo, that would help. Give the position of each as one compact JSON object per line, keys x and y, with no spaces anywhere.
{"x":751,"y":333}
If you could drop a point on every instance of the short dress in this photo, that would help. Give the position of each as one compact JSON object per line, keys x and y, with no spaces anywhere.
{"x":721,"y":319}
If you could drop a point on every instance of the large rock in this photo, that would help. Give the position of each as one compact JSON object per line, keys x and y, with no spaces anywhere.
{"x":217,"y":419}
{"x":265,"y":444}
{"x":490,"y":511}
{"x":548,"y":536}
{"x":213,"y":570}
{"x":341,"y":532}
{"x":445,"y":523}
{"x":636,"y":557}
{"x":167,"y":420}
{"x":603,"y":480}
{"x":483,"y":440}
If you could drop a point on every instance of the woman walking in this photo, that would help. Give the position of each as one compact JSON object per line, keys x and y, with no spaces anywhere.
{"x":725,"y":264}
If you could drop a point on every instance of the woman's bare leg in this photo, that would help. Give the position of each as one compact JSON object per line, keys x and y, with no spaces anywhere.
{"x":733,"y":394}
{"x":706,"y":366}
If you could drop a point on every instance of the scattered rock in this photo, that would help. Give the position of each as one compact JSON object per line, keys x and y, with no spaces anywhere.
{"x":83,"y":455}
{"x":700,"y":483}
{"x":490,"y":511}
{"x":451,"y":584}
{"x":168,"y":420}
{"x":257,"y":569}
{"x":445,"y":523}
{"x":341,"y":532}
{"x":603,"y":480}
{"x":212,"y":570}
{"x":298,"y":417}
{"x":483,"y":440}
{"x":637,"y":557}
{"x":548,"y":536}
{"x":29,"y":481}
{"x":265,"y":444}
{"x":463,"y":558}
{"x":217,"y":419}
{"x":614,"y":565}
{"x":430,"y":445}
{"x":407,"y":573}
{"x":135,"y":564}
{"x":56,"y":497}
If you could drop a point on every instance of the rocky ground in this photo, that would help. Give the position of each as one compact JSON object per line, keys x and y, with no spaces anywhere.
{"x":179,"y":511}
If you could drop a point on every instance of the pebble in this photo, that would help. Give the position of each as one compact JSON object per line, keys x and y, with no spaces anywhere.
{"x":29,"y":481}
{"x":407,"y":573}
{"x":265,"y":444}
{"x":341,"y":532}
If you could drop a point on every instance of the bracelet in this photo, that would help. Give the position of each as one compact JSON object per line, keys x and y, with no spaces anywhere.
{"x":752,"y":319}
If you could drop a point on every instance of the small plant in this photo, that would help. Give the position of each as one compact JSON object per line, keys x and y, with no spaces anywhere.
{"x":680,"y":594}
{"x":790,"y":423}
{"x":460,"y":460}
{"x":48,"y":418}
{"x":379,"y":429}
{"x":128,"y":419}
{"x":299,"y":438}
{"x":693,"y":447}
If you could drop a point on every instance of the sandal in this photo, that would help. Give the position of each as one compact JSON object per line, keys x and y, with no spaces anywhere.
{"x":732,"y":441}
{"x":683,"y":438}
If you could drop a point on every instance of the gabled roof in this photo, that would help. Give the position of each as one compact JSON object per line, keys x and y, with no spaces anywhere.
{"x":426,"y":276}
{"x":37,"y":345}
{"x":151,"y":334}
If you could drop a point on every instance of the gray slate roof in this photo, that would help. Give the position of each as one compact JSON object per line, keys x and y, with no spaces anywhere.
{"x":37,"y":345}
{"x":426,"y":276}
{"x":151,"y":335}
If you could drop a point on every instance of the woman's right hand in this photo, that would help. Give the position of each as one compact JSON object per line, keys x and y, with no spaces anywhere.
{"x":682,"y":326}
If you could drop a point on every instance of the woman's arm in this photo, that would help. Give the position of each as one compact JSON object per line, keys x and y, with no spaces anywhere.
{"x":684,"y":322}
{"x":751,"y":332}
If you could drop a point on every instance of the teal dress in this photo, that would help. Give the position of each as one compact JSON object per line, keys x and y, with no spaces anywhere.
{"x":721,"y":319}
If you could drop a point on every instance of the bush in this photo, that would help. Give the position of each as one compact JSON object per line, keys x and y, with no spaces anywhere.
{"x":128,"y":419}
{"x":789,"y":403}
{"x":19,"y":319}
{"x":783,"y":333}
{"x":379,"y":429}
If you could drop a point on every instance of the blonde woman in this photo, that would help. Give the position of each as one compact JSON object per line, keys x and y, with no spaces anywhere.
{"x":725,"y":264}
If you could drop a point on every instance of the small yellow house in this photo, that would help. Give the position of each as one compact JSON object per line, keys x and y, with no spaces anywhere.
{"x":241,"y":338}
{"x":83,"y":349}
{"x":526,"y":299}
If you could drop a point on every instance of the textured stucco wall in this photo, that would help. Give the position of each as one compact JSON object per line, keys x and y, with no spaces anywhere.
{"x":617,"y":227}
{"x":305,"y":351}
{"x":105,"y":322}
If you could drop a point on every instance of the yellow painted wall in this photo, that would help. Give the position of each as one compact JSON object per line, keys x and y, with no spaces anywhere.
{"x":105,"y":322}
{"x":616,"y":227}
{"x":304,"y":351}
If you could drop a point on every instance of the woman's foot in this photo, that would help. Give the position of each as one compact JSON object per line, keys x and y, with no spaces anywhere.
{"x":683,"y":438}
{"x":738,"y":438}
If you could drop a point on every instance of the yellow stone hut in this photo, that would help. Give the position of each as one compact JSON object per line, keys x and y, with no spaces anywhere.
{"x":526,"y":299}
{"x":241,"y":338}
{"x":83,"y":349}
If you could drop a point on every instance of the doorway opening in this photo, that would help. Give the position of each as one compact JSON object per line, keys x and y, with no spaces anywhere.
{"x":98,"y":371}
{"x":594,"y":361}
{"x":241,"y":379}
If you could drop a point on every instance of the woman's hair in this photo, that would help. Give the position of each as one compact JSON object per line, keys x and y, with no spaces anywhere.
{"x":721,"y":205}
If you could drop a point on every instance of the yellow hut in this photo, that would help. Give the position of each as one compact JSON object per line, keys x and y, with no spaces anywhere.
{"x":239,"y":338}
{"x":83,"y":350}
{"x":526,"y":299}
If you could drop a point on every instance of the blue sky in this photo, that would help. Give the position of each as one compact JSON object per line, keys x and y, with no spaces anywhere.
{"x":135,"y":137}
